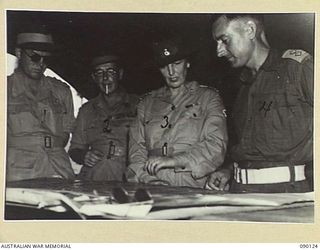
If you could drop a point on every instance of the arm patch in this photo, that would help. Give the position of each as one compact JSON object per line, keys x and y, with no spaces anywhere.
{"x":297,"y":55}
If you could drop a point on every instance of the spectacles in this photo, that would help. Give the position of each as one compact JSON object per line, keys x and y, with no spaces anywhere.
{"x":36,"y":58}
{"x":110,"y":72}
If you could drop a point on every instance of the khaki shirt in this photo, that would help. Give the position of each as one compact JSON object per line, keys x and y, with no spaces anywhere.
{"x":38,"y":127}
{"x":191,"y":127}
{"x":273,"y":112}
{"x":104,"y":127}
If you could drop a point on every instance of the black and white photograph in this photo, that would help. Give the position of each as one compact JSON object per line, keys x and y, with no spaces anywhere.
{"x":159,"y":116}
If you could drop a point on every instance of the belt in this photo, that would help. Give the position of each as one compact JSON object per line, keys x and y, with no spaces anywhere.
{"x":164,"y":151}
{"x":279,"y":174}
{"x":45,"y":141}
{"x":116,"y":151}
{"x":111,"y":150}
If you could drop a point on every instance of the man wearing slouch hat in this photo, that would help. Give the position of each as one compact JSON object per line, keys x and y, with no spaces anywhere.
{"x":40,"y":112}
{"x":99,"y":141}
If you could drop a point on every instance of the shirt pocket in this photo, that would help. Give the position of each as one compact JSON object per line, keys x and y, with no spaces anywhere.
{"x":189,"y":126}
{"x":50,"y":119}
{"x":280,"y":122}
{"x":94,"y":131}
{"x":21,"y":119}
{"x":290,"y":119}
{"x":120,"y":126}
{"x":22,"y":159}
{"x":53,"y":112}
{"x":154,"y":127}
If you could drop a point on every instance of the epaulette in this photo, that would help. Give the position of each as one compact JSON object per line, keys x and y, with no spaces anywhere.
{"x":143,"y":96}
{"x":298,"y":55}
{"x":209,"y":87}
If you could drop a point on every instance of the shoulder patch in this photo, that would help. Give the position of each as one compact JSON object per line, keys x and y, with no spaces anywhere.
{"x":298,"y":55}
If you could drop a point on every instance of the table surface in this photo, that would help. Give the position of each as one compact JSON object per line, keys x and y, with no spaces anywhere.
{"x":171,"y":203}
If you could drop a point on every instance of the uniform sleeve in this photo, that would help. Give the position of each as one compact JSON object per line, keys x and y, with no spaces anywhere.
{"x":78,"y":146}
{"x":205,"y":156}
{"x":79,"y":140}
{"x":138,"y":154}
{"x":307,"y":80}
{"x":68,"y":118}
{"x":302,"y":71}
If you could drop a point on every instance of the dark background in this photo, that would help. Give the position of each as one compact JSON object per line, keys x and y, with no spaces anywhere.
{"x":82,"y":35}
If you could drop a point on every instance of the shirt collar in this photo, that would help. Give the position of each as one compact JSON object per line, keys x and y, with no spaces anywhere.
{"x":100,"y":102}
{"x":20,"y":83}
{"x":270,"y":64}
{"x":164,"y":92}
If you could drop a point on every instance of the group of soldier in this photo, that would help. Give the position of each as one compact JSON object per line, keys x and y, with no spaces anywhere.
{"x":175,"y":135}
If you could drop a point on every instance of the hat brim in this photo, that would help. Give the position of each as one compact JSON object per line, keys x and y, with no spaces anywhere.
{"x":161,"y":62}
{"x":105,"y":59}
{"x":39,"y":46}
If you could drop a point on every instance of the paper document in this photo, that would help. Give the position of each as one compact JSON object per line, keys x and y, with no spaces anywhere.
{"x":82,"y":204}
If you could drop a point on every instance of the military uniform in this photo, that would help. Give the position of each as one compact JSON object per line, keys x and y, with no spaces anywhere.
{"x":104,"y":127}
{"x":190,"y":127}
{"x":38,"y":127}
{"x":273,"y":116}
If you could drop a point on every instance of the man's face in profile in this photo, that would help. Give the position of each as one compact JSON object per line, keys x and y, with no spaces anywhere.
{"x":232,"y":41}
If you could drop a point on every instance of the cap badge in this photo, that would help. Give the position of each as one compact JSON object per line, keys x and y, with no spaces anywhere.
{"x":166,"y":52}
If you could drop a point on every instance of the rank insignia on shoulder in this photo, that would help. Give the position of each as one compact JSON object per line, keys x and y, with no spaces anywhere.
{"x":210,"y":87}
{"x":144,"y":96}
{"x":298,"y":55}
{"x":203,"y":86}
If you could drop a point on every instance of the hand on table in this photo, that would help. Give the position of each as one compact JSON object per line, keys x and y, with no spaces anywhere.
{"x":155,"y":163}
{"x":219,"y":180}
